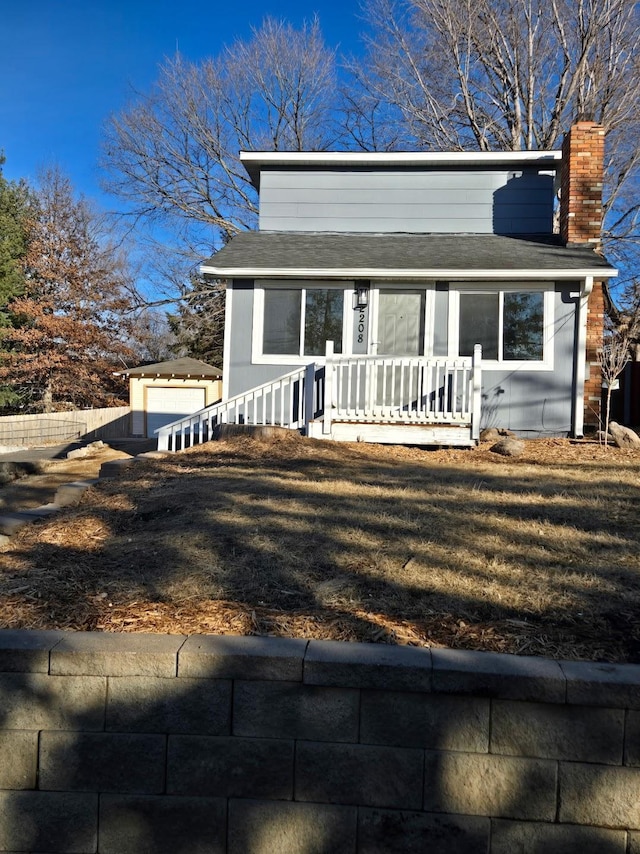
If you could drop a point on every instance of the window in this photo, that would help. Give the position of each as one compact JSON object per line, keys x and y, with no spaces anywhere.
{"x":281,"y":322}
{"x":322,"y":320}
{"x":297,"y":321}
{"x":523,"y":327}
{"x":479,"y":324}
{"x":511,"y":326}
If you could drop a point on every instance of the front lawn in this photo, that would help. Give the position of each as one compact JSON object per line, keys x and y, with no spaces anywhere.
{"x":536,"y":555}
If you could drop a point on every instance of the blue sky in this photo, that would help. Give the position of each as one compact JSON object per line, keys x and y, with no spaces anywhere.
{"x":68,"y":64}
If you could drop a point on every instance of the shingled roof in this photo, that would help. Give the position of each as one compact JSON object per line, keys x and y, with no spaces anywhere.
{"x":184,"y":368}
{"x":277,"y":254}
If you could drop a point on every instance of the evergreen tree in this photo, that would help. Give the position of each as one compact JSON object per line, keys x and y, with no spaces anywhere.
{"x":15,"y":210}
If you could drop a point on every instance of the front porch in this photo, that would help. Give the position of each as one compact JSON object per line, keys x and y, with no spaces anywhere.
{"x":382,"y":399}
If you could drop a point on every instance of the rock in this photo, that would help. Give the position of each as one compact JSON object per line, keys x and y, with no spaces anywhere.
{"x":70,"y":494}
{"x":494,"y":434}
{"x":97,"y":445}
{"x":78,"y":453}
{"x":508,"y":447}
{"x":489,"y":434}
{"x":624,"y":437}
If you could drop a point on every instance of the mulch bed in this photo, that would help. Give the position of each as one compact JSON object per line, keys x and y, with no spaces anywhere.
{"x":534,"y":555}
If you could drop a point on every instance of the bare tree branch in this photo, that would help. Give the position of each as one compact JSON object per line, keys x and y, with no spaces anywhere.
{"x":510,"y":75}
{"x":173,"y":155}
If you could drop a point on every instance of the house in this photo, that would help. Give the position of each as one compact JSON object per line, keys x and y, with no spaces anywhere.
{"x":167,"y":391}
{"x":415,"y":297}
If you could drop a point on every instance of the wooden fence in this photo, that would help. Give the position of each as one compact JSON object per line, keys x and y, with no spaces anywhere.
{"x":111,"y":423}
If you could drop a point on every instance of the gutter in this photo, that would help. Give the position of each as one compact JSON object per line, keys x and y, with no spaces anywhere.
{"x":376,"y":273}
{"x":580,"y":356}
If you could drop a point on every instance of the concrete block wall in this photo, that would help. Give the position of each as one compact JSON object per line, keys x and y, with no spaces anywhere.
{"x":125,"y":743}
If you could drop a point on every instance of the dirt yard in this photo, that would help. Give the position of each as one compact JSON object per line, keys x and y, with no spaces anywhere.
{"x":292,"y":537}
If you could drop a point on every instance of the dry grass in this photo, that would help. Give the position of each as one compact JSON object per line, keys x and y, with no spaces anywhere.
{"x":538,"y":555}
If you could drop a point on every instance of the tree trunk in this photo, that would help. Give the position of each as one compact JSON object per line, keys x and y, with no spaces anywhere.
{"x":47,"y":398}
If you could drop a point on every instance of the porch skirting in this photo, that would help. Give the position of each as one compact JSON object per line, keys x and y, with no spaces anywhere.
{"x":394,"y":434}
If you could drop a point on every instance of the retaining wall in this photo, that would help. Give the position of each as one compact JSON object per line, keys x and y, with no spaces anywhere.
{"x":125,"y":743}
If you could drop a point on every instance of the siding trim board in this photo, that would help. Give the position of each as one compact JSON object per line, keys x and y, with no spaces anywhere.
{"x":259,"y":162}
{"x":405,"y":274}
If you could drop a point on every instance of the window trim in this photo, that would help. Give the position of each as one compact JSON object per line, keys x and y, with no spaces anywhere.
{"x":258,"y":357}
{"x":546,"y":288}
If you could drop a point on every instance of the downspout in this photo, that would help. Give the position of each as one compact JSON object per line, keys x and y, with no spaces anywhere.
{"x":226,"y":347}
{"x":577,"y":428}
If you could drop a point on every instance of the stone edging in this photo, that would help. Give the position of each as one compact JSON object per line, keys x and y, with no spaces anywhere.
{"x":326,"y":663}
{"x":67,"y":495}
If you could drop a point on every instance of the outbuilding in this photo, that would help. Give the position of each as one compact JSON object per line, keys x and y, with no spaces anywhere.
{"x":166,"y":391}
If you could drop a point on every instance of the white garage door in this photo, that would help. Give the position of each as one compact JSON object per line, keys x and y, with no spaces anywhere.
{"x":165,"y":405}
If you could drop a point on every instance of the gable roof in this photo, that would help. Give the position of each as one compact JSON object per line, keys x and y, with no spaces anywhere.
{"x":268,"y":254}
{"x":184,"y":368}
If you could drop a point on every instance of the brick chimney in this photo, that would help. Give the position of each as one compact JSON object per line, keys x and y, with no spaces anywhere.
{"x":581,"y":176}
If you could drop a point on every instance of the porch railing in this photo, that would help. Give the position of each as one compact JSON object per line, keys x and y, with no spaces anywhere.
{"x":281,"y":402}
{"x":394,"y":389}
{"x":370,"y":389}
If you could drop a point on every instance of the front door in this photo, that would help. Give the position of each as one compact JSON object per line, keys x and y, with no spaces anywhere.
{"x":400,"y":333}
{"x":400,"y":323}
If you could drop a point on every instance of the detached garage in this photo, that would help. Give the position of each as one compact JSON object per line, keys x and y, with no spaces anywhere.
{"x":166,"y":391}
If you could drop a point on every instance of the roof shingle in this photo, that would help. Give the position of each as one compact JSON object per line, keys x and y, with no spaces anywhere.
{"x":265,"y":252}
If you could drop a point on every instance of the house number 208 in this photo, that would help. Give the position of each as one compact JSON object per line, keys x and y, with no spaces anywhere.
{"x":361,"y":319}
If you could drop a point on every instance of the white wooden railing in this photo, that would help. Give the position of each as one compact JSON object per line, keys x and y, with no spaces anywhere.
{"x":371,"y":389}
{"x":403,"y":390}
{"x":280,"y":402}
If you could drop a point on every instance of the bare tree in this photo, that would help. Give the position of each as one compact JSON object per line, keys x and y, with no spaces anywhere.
{"x":151,"y":338}
{"x":626,"y":320}
{"x":502,"y":74}
{"x":612,"y":359}
{"x":510,"y":75}
{"x":173,"y":154}
{"x":198,"y":325}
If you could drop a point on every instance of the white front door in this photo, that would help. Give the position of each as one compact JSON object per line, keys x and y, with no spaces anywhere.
{"x":400,"y":332}
{"x":401,"y":323}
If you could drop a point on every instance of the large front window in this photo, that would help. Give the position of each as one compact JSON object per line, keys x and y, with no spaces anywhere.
{"x":299,"y":321}
{"x":509,"y":325}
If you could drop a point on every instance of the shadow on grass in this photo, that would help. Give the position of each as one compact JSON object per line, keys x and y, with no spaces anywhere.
{"x":359,"y":543}
{"x":542,"y":560}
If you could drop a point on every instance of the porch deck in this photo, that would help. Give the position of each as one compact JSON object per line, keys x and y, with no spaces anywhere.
{"x":387,"y":399}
